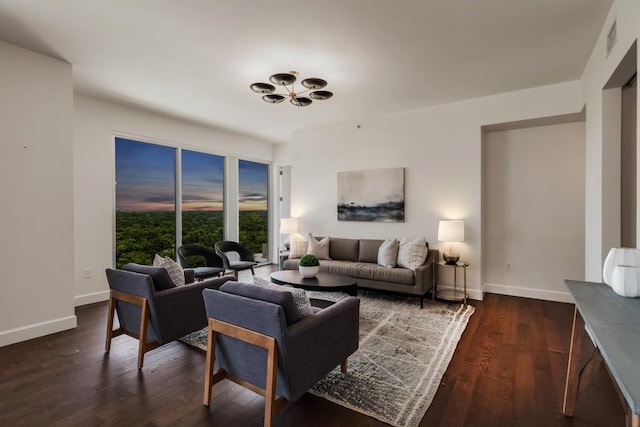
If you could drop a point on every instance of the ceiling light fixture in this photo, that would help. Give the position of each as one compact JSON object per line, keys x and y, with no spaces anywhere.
{"x":288,"y":80}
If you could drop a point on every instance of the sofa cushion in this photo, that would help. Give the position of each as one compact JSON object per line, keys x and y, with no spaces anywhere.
{"x":263,"y":293}
{"x":159,"y":275}
{"x":344,"y":249}
{"x":412,"y":253}
{"x":318,"y":248}
{"x":297,"y":245}
{"x":369,"y":271}
{"x":369,"y":250}
{"x":388,"y":253}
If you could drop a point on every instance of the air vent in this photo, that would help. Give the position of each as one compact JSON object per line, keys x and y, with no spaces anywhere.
{"x":612,"y":37}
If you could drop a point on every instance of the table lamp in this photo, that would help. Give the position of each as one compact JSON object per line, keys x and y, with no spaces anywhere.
{"x":288,"y":226}
{"x":451,"y":231}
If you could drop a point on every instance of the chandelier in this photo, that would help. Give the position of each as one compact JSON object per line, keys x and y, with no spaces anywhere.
{"x":287,"y":81}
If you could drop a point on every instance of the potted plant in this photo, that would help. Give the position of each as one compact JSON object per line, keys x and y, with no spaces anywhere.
{"x":308,"y":266}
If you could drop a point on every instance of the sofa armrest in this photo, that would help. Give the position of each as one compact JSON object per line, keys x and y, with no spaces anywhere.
{"x":189,"y":275}
{"x":424,"y":273}
{"x":179,"y":311}
{"x":326,"y":338}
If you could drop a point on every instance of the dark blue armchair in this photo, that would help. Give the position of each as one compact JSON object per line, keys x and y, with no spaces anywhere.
{"x":247,"y":319}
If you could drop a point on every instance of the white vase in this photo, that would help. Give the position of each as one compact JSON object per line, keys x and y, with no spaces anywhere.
{"x":308,"y":272}
{"x":625,"y":281}
{"x":619,"y":256}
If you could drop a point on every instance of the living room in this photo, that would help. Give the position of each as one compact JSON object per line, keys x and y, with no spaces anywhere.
{"x":58,"y":148}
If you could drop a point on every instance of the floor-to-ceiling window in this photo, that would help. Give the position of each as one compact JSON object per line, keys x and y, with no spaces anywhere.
{"x":202,"y":198}
{"x":253,"y":186}
{"x":146,"y":194}
{"x":145,"y":201}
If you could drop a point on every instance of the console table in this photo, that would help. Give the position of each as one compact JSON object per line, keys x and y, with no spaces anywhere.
{"x":612,"y":322}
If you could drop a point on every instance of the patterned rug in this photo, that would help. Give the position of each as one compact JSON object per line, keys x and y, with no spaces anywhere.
{"x":403,"y":355}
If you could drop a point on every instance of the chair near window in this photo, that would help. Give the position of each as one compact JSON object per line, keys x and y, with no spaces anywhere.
{"x":213,"y":265}
{"x":246,"y":259}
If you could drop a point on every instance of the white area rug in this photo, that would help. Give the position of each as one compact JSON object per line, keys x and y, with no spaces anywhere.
{"x":403,"y":355}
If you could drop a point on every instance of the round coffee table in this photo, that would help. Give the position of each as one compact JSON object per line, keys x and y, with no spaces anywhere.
{"x":321,"y":282}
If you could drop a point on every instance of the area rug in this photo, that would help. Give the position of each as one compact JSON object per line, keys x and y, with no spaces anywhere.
{"x":404,"y":352}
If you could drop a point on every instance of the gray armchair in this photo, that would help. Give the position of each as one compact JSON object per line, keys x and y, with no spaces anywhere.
{"x":150,"y":307}
{"x":297,"y":354}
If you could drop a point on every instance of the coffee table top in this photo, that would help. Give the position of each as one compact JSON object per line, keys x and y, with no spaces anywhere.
{"x":322,"y":281}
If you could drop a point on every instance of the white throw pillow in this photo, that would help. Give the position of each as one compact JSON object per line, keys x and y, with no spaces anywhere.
{"x":318,"y":248}
{"x":176,"y":272}
{"x":412,"y":253}
{"x":297,"y":245}
{"x":300,"y":297}
{"x":388,"y":253}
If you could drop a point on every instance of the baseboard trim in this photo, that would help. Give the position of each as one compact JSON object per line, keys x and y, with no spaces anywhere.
{"x":91,"y":298}
{"x":37,"y":330}
{"x":516,"y":291}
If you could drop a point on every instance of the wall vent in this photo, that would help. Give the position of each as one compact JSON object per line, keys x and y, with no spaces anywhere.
{"x":612,"y":37}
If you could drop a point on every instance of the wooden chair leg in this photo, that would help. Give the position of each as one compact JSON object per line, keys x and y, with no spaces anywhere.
{"x":210,"y":360}
{"x":270,"y":409}
{"x":144,"y":321}
{"x":112,"y":309}
{"x":235,"y":274}
{"x":343,"y":366}
{"x":253,"y":273}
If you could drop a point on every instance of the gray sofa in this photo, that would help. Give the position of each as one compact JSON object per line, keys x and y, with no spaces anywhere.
{"x":358,"y":258}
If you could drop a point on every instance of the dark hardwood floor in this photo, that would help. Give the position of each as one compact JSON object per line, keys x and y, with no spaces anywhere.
{"x":508,"y":370}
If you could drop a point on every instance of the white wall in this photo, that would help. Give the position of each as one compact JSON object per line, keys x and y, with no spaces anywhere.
{"x":440,"y":149}
{"x":602,"y":219}
{"x":36,"y":187}
{"x":95,"y":123}
{"x":533,"y":210}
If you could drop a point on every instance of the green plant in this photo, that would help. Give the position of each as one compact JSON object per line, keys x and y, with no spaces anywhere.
{"x":309,"y":260}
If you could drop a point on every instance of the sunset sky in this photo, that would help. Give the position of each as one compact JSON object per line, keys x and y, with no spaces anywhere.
{"x":145,"y":177}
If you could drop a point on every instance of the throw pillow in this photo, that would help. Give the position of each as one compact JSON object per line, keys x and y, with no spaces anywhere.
{"x":297,"y":245}
{"x":300,"y":297}
{"x":388,"y":253}
{"x":319,"y":248}
{"x":412,"y":253}
{"x":173,"y":268}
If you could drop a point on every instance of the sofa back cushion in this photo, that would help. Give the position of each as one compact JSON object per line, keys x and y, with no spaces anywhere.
{"x":369,"y":250}
{"x":262,"y":293}
{"x":159,"y":275}
{"x":344,"y":249}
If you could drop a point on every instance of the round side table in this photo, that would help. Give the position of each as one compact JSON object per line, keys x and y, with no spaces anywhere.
{"x":455,"y":294}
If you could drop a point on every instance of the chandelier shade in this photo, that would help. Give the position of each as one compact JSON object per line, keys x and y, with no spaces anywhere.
{"x":288,"y":80}
{"x":263,"y":88}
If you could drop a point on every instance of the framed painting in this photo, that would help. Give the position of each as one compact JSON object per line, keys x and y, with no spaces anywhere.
{"x":374,"y":195}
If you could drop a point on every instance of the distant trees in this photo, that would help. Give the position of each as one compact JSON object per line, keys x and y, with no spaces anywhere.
{"x":141,"y":235}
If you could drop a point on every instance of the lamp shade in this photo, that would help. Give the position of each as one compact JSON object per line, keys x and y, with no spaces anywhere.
{"x":451,"y":231}
{"x":288,"y":225}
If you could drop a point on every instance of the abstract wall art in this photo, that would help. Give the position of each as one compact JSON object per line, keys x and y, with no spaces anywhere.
{"x":375,"y":195}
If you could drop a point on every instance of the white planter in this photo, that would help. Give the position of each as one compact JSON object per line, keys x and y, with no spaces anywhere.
{"x":625,"y":281}
{"x":308,"y":272}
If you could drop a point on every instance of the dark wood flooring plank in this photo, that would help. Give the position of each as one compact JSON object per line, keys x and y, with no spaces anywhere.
{"x":508,"y":370}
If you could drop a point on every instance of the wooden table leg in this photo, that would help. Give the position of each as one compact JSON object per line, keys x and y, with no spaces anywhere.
{"x":573,"y":368}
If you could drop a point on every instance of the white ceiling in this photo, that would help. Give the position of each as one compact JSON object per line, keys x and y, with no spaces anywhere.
{"x":195,"y":59}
